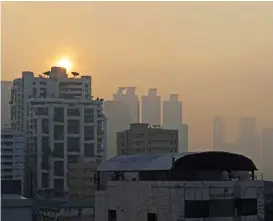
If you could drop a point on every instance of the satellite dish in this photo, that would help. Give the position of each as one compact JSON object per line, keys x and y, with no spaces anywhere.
{"x":46,"y":73}
{"x":75,"y":74}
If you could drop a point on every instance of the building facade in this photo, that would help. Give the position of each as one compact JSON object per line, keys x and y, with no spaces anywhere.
{"x":5,"y":99}
{"x":63,"y":125}
{"x":63,"y":131}
{"x":128,"y":96}
{"x":145,"y":139}
{"x":12,"y":156}
{"x":190,"y":186}
{"x":151,"y":108}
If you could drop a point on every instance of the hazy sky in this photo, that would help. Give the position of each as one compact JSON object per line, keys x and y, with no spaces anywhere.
{"x":218,"y":56}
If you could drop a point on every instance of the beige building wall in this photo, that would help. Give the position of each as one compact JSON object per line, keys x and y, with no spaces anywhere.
{"x":142,"y":138}
{"x":81,"y":180}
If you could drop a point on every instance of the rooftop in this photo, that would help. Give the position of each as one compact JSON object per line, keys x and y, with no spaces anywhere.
{"x":210,"y":160}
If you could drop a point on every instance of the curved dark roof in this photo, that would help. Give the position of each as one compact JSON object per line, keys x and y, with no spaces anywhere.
{"x":210,"y":160}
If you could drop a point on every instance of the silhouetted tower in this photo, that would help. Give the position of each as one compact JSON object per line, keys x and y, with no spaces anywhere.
{"x":151,"y":108}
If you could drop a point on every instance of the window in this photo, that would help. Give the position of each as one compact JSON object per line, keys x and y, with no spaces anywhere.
{"x":73,"y":144}
{"x":73,"y":126}
{"x":89,"y":115}
{"x":112,"y":215}
{"x":88,"y":133}
{"x":89,"y":149}
{"x":73,"y":112}
{"x":152,"y":217}
{"x":196,"y":208}
{"x":58,"y":150}
{"x":58,"y":132}
{"x":45,"y":180}
{"x":58,"y":168}
{"x":45,"y":126}
{"x":246,"y":207}
{"x":59,"y":114}
{"x":59,"y":185}
{"x":222,"y":208}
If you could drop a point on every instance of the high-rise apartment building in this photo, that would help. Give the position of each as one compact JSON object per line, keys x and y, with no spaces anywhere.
{"x":52,"y":84}
{"x":118,"y":119}
{"x":249,"y":140}
{"x":12,"y":155}
{"x":146,"y":139}
{"x":151,"y":108}
{"x":5,"y":99}
{"x":267,"y":152}
{"x":63,"y":124}
{"x":218,"y":133}
{"x":172,"y":112}
{"x":127,"y":96}
{"x":172,"y":119}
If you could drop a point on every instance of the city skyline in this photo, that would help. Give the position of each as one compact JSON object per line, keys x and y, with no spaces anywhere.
{"x":220,"y":65}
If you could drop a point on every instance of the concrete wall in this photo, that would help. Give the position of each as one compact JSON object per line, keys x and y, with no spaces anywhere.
{"x":16,"y":214}
{"x":133,"y":200}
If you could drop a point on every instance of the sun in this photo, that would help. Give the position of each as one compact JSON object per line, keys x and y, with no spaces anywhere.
{"x":65,"y":63}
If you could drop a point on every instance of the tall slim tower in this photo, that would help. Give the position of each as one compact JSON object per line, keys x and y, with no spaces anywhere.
{"x":248,"y":140}
{"x":172,"y":112}
{"x":267,"y":152}
{"x":127,"y":96}
{"x":151,"y":108}
{"x":218,"y":133}
{"x":172,"y":119}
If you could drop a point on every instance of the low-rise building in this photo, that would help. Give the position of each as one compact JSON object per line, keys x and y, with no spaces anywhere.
{"x":15,"y":207}
{"x":190,"y":186}
{"x":144,"y":138}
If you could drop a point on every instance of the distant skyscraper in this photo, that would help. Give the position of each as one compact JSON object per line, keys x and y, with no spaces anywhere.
{"x":172,"y":112}
{"x":5,"y":107}
{"x":118,"y":119}
{"x":218,"y":133}
{"x":151,"y":108}
{"x":127,"y":95}
{"x":267,"y":152}
{"x":248,"y":141}
{"x":172,"y":119}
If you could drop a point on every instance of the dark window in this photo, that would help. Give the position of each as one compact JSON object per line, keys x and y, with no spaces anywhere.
{"x":59,"y":185}
{"x":88,"y":115}
{"x":45,"y":180}
{"x":196,"y":208}
{"x":222,"y":208}
{"x":73,"y":112}
{"x":58,"y":132}
{"x":246,"y":207}
{"x":73,"y":126}
{"x":58,"y":168}
{"x":58,"y":150}
{"x":41,"y":111}
{"x":58,"y":114}
{"x":7,"y":157}
{"x":7,"y":170}
{"x":152,"y":217}
{"x":88,"y":133}
{"x":89,"y":149}
{"x":112,"y":215}
{"x":45,"y":162}
{"x":7,"y":163}
{"x":72,"y":159}
{"x":73,"y":144}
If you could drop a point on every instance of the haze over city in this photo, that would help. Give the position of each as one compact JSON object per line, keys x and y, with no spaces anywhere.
{"x":217,"y":56}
